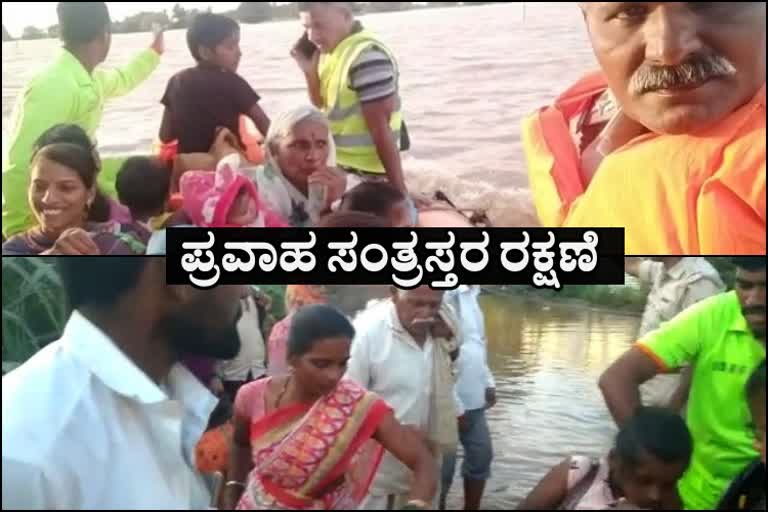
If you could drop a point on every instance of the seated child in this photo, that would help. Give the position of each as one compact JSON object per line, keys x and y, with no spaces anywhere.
{"x":748,"y":491}
{"x":651,"y":453}
{"x":143,"y":185}
{"x":225,"y":199}
{"x":383,"y":200}
{"x":210,"y":95}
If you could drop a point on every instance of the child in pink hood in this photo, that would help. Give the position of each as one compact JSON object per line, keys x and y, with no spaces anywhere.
{"x":226,"y":199}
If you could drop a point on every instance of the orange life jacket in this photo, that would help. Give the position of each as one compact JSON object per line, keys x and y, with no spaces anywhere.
{"x":674,"y":194}
{"x":249,"y":134}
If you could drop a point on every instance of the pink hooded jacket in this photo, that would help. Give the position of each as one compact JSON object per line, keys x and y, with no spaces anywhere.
{"x":209,"y":197}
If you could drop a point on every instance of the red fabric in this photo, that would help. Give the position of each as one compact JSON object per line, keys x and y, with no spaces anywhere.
{"x":212,"y":451}
{"x":556,"y":133}
{"x":209,"y":196}
{"x":333,"y":436}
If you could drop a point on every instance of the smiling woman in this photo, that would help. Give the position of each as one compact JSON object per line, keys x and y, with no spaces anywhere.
{"x":72,"y":216}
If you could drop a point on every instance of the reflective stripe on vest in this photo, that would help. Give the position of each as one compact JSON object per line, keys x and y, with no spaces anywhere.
{"x":355,"y":147}
{"x":340,"y":114}
{"x":349,"y":141}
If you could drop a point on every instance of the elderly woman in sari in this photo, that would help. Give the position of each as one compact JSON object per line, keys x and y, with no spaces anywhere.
{"x":72,"y":214}
{"x":300,"y":180}
{"x":312,"y":440}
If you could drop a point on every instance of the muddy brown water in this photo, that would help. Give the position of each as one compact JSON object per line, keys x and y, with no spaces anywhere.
{"x":469,"y":76}
{"x":546,"y":358}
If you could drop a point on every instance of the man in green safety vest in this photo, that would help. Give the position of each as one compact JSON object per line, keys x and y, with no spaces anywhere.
{"x":353,"y":78}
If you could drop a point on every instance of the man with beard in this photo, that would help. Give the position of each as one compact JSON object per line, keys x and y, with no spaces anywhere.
{"x":668,"y":139}
{"x":105,"y":417}
{"x":723,"y":339}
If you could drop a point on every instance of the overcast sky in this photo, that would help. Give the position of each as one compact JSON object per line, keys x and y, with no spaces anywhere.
{"x":17,"y":15}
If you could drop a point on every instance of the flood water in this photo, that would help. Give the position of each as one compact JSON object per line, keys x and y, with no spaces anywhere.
{"x":546,"y":359}
{"x":469,"y":76}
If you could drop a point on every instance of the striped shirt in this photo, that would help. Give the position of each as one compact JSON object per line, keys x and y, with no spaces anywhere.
{"x":373,"y":76}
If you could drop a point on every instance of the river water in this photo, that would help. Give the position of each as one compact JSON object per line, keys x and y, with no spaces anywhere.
{"x":469,"y":76}
{"x":546,"y":359}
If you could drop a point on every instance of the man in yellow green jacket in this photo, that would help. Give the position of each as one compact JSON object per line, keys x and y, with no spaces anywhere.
{"x":69,"y":90}
{"x":353,"y":78}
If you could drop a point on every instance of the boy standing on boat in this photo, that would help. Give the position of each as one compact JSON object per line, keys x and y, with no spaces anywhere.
{"x":70,"y":90}
{"x":210,"y":95}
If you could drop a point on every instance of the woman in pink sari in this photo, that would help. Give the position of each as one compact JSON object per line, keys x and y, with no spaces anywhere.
{"x":311,"y":440}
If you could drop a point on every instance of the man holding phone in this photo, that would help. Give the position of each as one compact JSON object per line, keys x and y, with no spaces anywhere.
{"x":353,"y":78}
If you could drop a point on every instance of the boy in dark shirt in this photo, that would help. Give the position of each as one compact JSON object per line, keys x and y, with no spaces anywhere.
{"x":210,"y":95}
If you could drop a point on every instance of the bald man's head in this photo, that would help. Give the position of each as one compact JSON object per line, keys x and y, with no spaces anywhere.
{"x":327,"y":23}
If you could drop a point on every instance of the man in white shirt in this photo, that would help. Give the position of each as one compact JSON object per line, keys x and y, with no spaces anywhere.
{"x":676,"y":284}
{"x":399,"y":354}
{"x":477,"y":390}
{"x":105,"y":417}
{"x":250,"y":361}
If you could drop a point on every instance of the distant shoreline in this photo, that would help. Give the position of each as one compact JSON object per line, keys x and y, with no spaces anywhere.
{"x":573,"y":302}
{"x":278,"y":14}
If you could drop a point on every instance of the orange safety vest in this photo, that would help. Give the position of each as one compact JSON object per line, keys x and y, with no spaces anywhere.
{"x":674,"y":194}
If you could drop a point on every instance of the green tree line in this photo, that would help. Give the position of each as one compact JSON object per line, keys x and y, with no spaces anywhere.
{"x":247,"y":12}
{"x":631,"y":298}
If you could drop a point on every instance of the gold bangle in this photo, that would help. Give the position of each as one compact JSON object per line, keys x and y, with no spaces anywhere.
{"x":418,"y":503}
{"x":232,"y":483}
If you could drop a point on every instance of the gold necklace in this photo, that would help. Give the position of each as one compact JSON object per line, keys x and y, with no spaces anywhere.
{"x":282,"y":393}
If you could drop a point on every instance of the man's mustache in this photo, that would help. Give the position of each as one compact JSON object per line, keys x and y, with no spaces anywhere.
{"x":696,"y":71}
{"x":754,"y":310}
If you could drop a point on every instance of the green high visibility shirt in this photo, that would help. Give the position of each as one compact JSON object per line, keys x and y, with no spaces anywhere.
{"x":714,"y":338}
{"x":64,"y":92}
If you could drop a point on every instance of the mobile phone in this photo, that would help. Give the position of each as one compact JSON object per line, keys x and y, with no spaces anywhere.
{"x":306,"y":47}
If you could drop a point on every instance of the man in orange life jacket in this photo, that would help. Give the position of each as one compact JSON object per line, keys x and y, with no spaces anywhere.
{"x":668,"y":140}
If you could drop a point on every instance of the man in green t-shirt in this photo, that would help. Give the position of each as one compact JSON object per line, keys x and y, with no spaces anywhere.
{"x":71,"y":89}
{"x":723,"y":339}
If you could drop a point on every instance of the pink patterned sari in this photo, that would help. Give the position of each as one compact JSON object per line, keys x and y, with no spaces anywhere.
{"x":316,"y":457}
